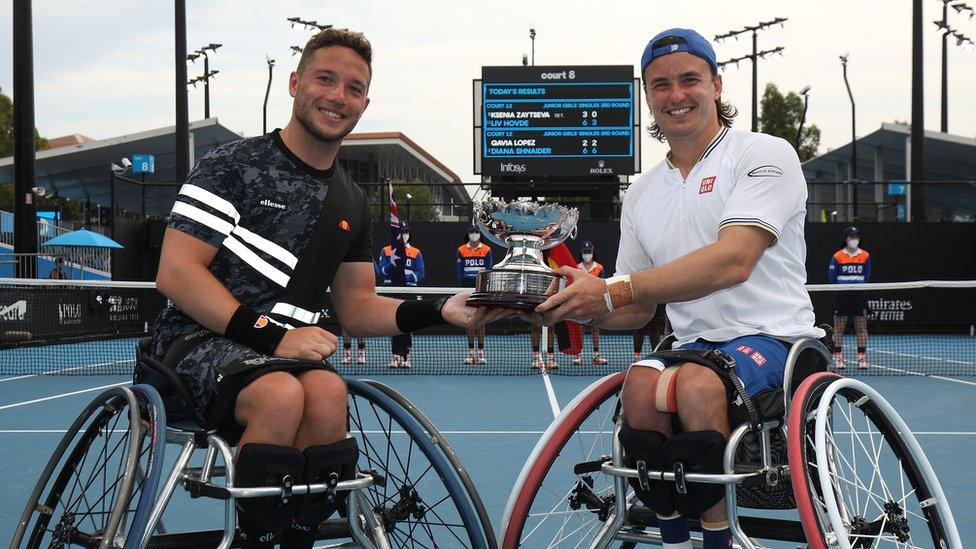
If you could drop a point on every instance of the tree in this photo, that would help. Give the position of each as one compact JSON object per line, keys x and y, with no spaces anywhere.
{"x":7,"y":129}
{"x":780,"y":116}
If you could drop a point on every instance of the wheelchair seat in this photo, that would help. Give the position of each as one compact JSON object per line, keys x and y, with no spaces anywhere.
{"x":180,"y":409}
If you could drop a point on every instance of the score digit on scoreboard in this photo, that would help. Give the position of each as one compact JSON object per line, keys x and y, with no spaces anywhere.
{"x":557,"y":121}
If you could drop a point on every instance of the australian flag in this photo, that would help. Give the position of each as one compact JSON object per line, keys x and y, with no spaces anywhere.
{"x":398,"y":253}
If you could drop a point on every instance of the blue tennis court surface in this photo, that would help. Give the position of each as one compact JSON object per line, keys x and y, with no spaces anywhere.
{"x":492,"y":422}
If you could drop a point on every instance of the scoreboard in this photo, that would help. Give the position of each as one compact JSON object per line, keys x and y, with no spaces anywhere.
{"x":580,"y":121}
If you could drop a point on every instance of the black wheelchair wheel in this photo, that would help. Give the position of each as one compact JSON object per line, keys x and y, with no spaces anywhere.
{"x":99,"y":486}
{"x":423,"y":502}
{"x":438,"y":439}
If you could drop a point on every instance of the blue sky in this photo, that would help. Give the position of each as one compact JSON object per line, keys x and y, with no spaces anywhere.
{"x":104,"y":68}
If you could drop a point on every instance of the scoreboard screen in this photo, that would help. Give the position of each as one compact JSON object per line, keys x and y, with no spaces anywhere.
{"x":557,"y":121}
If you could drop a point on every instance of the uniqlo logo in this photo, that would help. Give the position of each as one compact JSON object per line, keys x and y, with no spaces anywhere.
{"x":707,"y":184}
{"x":760,"y":360}
{"x":744,"y":349}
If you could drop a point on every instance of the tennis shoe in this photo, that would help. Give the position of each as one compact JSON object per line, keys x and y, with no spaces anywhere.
{"x":396,"y":361}
{"x":482,"y":357}
{"x":598,"y":359}
{"x":406,"y":364}
{"x":346,"y":356}
{"x":577,"y":359}
{"x":862,"y":362}
{"x":551,"y":362}
{"x":537,"y":361}
{"x":838,"y":361}
{"x":471,"y":358}
{"x":362,"y":356}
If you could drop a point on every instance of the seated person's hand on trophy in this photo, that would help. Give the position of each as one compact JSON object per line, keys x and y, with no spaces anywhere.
{"x":458,"y":313}
{"x":586,"y":299}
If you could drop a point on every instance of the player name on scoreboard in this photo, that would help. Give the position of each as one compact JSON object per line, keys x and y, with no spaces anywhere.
{"x":557,"y":121}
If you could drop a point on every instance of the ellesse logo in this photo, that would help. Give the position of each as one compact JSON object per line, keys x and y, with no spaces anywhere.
{"x":272,"y":204}
{"x":344,"y":225}
{"x":261,"y":322}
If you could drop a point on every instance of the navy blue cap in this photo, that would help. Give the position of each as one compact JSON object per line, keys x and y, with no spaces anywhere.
{"x":587,"y":245}
{"x":693,"y":43}
{"x":472,"y":229}
{"x":851,"y":231}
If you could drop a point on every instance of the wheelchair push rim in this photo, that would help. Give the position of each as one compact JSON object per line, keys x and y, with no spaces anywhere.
{"x":99,"y":485}
{"x":869,"y":482}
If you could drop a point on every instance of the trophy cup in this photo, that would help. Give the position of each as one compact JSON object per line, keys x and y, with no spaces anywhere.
{"x":522,"y":280}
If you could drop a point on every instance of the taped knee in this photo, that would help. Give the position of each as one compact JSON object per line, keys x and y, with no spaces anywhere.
{"x":666,"y":390}
{"x":643,"y":450}
{"x":325,"y":464}
{"x":266,"y":465}
{"x":697,"y":452}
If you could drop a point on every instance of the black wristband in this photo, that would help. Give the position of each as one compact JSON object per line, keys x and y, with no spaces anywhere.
{"x":418,"y":314}
{"x":255,"y":330}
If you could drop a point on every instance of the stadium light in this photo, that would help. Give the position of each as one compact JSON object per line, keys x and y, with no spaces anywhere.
{"x":805,"y":92}
{"x":961,"y":40}
{"x":267,"y":92}
{"x":843,"y":63}
{"x":532,"y":38}
{"x":754,"y":57}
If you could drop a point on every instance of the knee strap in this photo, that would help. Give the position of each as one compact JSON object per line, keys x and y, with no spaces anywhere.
{"x":266,"y":465}
{"x":644,"y":450}
{"x":329,"y":464}
{"x":697,"y":452}
{"x":666,"y":390}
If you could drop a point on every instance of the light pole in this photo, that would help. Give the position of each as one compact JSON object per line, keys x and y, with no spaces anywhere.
{"x":806,"y":102}
{"x":843,"y":63}
{"x":267,"y":92}
{"x":755,"y":56}
{"x":532,"y":38}
{"x":961,"y":39}
{"x":207,"y":74}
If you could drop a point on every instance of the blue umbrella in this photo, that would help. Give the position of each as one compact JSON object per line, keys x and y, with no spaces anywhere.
{"x":83,"y":239}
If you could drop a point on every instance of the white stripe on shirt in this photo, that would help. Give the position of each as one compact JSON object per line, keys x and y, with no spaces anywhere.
{"x":266,"y":246}
{"x":196,"y":214}
{"x":255,"y":261}
{"x":212,"y":200}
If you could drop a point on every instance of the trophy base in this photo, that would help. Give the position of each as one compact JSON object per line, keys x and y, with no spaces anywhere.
{"x":514,"y":288}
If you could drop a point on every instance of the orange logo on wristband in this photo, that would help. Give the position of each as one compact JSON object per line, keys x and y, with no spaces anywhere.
{"x":261,"y":322}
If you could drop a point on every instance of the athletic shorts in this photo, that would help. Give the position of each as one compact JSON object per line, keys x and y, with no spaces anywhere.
{"x":850,"y":303}
{"x":760,"y":360}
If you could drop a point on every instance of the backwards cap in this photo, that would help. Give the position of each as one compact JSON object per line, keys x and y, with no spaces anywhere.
{"x":685,"y":40}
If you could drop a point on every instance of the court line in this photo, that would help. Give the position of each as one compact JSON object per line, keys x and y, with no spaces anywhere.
{"x":918,"y":374}
{"x":551,"y":393}
{"x":45,"y":399}
{"x":60,"y":370}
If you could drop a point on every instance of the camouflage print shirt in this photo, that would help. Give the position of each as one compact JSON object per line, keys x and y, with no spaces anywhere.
{"x":258,"y":204}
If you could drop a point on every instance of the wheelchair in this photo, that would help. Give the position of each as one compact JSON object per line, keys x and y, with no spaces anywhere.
{"x":829,"y":448}
{"x":105,"y":485}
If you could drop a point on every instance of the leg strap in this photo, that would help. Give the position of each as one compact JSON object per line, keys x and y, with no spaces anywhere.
{"x":696,"y":452}
{"x":666,"y":390}
{"x":258,"y":465}
{"x":643,"y":450}
{"x":329,"y":464}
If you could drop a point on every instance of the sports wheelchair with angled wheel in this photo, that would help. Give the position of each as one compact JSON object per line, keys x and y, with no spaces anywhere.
{"x":831,"y":448}
{"x":106,"y":485}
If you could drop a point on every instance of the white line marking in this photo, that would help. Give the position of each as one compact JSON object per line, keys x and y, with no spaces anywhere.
{"x":60,"y":370}
{"x":553,"y":403}
{"x":36,"y":400}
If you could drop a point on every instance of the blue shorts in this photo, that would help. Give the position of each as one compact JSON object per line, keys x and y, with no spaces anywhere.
{"x":760,"y":361}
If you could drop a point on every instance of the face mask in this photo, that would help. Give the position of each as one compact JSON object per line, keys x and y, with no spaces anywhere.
{"x":852,"y":243}
{"x":474,"y":237}
{"x":587,"y":258}
{"x":406,"y":237}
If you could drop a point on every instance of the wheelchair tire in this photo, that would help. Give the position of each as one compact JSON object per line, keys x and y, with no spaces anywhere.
{"x":99,"y":486}
{"x":438,"y":438}
{"x":424,"y":503}
{"x":870,"y":482}
{"x":550,"y":503}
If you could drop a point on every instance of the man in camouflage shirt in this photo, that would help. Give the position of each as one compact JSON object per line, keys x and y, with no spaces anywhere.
{"x":258,"y":232}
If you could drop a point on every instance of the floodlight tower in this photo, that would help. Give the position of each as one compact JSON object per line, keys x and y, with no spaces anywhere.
{"x":755,"y":56}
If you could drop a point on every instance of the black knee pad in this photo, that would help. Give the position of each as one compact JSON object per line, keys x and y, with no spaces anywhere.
{"x":266,"y":465}
{"x":647,"y":447}
{"x":330,"y":464}
{"x":698,"y":452}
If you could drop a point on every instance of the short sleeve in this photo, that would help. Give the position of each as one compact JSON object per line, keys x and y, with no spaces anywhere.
{"x":362,"y":249}
{"x":206,"y":206}
{"x":631,"y":256}
{"x":769,"y":187}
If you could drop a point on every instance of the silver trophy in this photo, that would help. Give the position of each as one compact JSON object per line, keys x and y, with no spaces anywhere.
{"x":522,"y":280}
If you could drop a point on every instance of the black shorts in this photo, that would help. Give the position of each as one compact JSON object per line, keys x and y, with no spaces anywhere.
{"x":199,"y":365}
{"x":848,"y":303}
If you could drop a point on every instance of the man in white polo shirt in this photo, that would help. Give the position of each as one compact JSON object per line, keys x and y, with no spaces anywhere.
{"x":716,"y":232}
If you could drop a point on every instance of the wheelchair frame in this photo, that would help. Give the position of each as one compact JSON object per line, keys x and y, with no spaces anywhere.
{"x":625,"y":520}
{"x":377,"y":515}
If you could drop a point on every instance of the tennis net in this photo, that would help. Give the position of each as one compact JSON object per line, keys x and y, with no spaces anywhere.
{"x":91,"y":328}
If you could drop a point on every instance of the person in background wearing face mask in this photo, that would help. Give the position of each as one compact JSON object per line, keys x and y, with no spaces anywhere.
{"x":595,"y":269}
{"x":473,"y":257}
{"x":850,"y":265}
{"x":401,"y":344}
